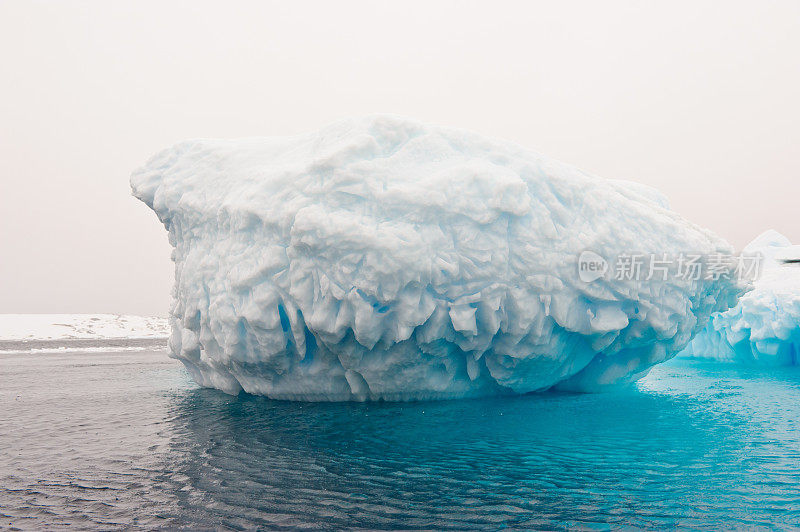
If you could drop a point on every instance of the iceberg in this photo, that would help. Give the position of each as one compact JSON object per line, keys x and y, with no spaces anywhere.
{"x":385,"y":259}
{"x":764,"y":327}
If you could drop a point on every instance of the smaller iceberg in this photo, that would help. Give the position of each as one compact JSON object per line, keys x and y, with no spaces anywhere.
{"x":764,"y":327}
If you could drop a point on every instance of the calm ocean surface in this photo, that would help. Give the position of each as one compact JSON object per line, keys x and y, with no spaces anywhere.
{"x":121,"y":439}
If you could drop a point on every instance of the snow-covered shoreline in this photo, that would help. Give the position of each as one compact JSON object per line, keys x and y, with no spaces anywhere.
{"x":31,"y":327}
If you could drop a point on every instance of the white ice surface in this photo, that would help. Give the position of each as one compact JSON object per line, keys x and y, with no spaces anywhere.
{"x":80,"y":326}
{"x":764,"y":327}
{"x":382,"y":258}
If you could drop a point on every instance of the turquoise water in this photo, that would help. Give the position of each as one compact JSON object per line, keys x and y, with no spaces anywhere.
{"x":124,"y":439}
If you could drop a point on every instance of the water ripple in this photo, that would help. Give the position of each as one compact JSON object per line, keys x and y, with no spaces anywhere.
{"x":130,"y":443}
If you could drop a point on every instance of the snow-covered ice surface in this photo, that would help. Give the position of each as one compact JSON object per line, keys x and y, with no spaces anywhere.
{"x":382,"y":258}
{"x":80,"y":326}
{"x":764,"y":327}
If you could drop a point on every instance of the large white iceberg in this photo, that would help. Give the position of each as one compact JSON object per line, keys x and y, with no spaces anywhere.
{"x":381,"y":258}
{"x":764,"y":327}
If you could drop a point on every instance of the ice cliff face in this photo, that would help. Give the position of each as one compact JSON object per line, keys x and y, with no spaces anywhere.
{"x":381,"y":258}
{"x":764,"y":327}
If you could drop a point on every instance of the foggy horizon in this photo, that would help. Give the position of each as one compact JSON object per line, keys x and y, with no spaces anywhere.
{"x":697,"y":99}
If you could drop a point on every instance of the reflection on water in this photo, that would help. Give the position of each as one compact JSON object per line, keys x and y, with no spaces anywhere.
{"x":126,"y":439}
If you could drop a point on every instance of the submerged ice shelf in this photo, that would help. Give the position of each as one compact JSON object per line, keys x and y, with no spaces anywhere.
{"x":381,"y":258}
{"x":764,"y":327}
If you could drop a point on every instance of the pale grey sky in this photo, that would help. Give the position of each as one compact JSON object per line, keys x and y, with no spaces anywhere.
{"x":697,"y":98}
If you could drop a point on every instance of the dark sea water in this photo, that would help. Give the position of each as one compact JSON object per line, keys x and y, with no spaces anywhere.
{"x":123,"y":439}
